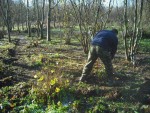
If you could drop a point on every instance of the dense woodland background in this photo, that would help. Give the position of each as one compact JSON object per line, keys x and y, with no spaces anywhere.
{"x":44,"y":45}
{"x":131,"y":18}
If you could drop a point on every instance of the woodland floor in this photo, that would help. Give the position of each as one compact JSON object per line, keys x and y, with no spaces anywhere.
{"x":131,"y":85}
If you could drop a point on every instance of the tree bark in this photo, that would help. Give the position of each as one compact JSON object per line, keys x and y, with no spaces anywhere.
{"x":28,"y":20}
{"x":38,"y":20}
{"x":42,"y":22}
{"x":49,"y":22}
{"x":8,"y":20}
{"x":125,"y":29}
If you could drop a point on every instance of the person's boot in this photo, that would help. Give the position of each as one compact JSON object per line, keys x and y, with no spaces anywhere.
{"x":110,"y":79}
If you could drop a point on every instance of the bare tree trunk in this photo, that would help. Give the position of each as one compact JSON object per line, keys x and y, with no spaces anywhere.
{"x":6,"y":16}
{"x":131,"y":47}
{"x":22,"y":25}
{"x":21,"y":10}
{"x":96,"y":19}
{"x":8,"y":20}
{"x":140,"y":26}
{"x":108,"y":14}
{"x":38,"y":20}
{"x":132,"y":52}
{"x":19,"y":17}
{"x":49,"y":22}
{"x":28,"y":20}
{"x":66,"y":24}
{"x":42,"y":22}
{"x":125,"y":29}
{"x":83,"y":37}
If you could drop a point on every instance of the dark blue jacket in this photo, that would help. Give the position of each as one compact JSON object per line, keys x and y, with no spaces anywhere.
{"x":106,"y":39}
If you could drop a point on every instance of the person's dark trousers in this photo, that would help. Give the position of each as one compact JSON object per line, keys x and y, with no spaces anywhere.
{"x":94,"y":53}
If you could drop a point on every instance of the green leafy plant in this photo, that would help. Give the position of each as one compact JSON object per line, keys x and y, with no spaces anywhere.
{"x":49,"y":86}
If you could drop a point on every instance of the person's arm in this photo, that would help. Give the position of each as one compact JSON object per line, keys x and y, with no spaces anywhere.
{"x":113,"y":52}
{"x":114,"y":48}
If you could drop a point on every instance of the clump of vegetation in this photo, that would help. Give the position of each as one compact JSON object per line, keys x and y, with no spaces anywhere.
{"x":36,"y":60}
{"x":144,"y":45}
{"x":49,"y":85}
{"x":1,"y":67}
{"x":12,"y":98}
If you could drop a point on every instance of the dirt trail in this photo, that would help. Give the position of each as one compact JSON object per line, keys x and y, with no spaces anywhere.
{"x":17,"y":69}
{"x":23,"y":69}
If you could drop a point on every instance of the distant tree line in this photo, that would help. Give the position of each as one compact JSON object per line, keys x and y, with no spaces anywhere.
{"x":88,"y":16}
